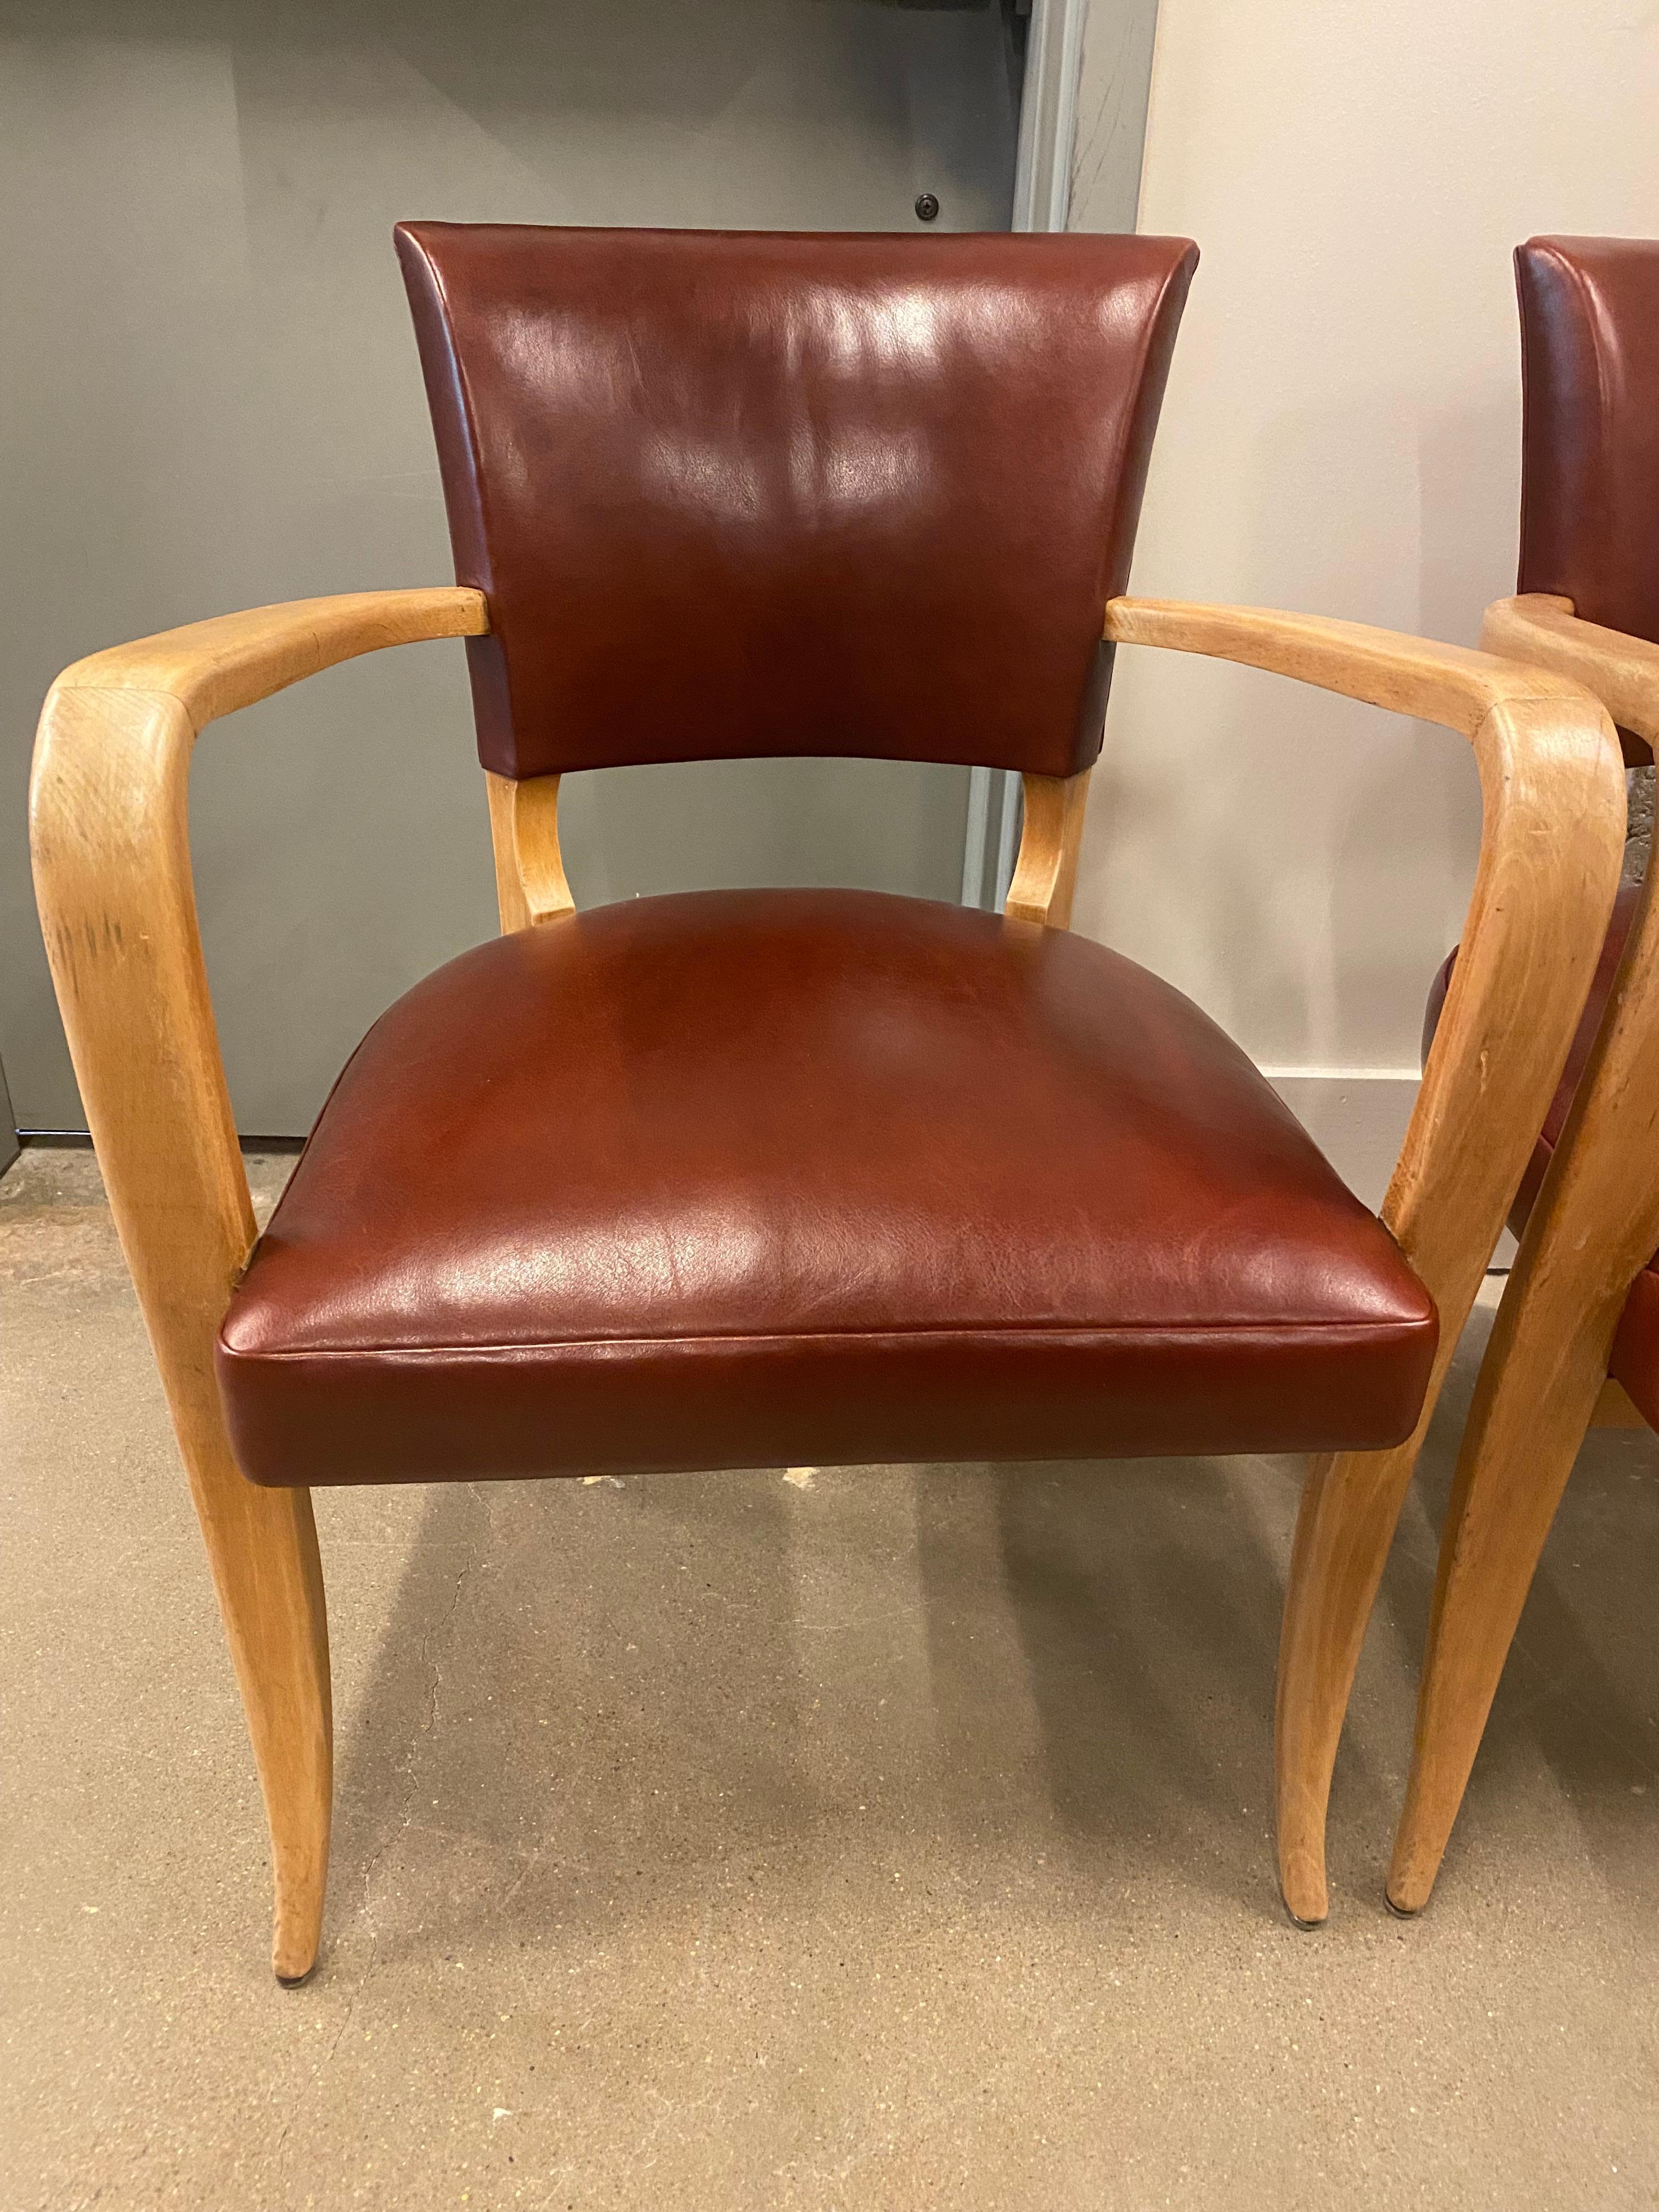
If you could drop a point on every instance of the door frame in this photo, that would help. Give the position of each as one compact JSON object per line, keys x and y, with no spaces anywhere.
{"x":1042,"y":193}
{"x":9,"y":1144}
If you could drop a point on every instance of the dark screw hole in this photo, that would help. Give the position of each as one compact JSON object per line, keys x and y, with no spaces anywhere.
{"x":926,"y":207}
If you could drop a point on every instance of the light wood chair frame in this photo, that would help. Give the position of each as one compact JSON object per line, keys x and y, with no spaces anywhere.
{"x":1544,"y":1379}
{"x":112,"y":864}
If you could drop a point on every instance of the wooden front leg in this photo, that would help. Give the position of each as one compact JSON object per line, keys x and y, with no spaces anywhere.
{"x":1551,"y":841}
{"x":117,"y":909}
{"x":1594,"y":1227}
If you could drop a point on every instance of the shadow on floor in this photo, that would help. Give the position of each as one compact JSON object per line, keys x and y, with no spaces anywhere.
{"x":592,"y":1701}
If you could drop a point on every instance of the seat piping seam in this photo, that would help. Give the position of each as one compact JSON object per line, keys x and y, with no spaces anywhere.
{"x":1105,"y":1332}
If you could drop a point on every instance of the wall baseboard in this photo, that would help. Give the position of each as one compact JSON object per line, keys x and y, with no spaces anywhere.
{"x":81,"y":1140}
{"x":1357,"y":1117}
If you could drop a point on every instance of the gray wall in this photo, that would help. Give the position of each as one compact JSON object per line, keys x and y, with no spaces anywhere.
{"x":211,"y":400}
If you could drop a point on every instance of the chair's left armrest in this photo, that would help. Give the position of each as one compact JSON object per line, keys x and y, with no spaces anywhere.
{"x":110,"y":840}
{"x":1552,"y":842}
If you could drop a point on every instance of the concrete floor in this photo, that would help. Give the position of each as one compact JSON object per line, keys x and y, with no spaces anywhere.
{"x":874,"y":1839}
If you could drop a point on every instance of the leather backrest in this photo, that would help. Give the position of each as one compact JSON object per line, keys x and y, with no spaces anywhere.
{"x":731,"y":494}
{"x":1589,"y":350}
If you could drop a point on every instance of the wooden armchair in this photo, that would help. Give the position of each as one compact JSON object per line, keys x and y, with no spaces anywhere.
{"x":735,"y":1179}
{"x":1576,"y":1337}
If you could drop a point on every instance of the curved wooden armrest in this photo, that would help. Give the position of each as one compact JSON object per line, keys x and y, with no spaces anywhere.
{"x":1443,"y":684}
{"x":1552,"y":815}
{"x":1552,"y":806}
{"x":118,"y":908}
{"x":211,"y":668}
{"x":1622,"y":671}
{"x":111,"y":846}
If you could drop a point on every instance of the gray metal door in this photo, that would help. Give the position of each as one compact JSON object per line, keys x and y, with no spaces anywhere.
{"x":211,"y":400}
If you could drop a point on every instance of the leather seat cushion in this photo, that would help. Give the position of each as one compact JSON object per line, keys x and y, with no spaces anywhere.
{"x":1635,"y":1358}
{"x":751,"y":1178}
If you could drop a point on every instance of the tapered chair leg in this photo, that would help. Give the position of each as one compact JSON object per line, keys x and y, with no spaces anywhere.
{"x":262,"y":1549}
{"x":1351,"y":1505}
{"x":268,"y":1578}
{"x":1537,"y":1390}
{"x":1499,"y":1516}
{"x":267,"y":1573}
{"x":1595,"y":1224}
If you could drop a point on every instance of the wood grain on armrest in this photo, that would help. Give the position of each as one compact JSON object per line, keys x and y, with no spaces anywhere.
{"x":1622,"y":671}
{"x":211,"y":668}
{"x":1444,"y":683}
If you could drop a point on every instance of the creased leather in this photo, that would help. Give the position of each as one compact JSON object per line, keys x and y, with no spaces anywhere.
{"x":755,"y":1178}
{"x":733,"y":494}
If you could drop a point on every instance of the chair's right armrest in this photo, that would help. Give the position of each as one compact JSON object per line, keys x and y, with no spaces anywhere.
{"x":1622,"y":671}
{"x":1552,"y":838}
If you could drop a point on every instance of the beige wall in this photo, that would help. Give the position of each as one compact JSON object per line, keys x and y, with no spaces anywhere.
{"x":1340,"y":435}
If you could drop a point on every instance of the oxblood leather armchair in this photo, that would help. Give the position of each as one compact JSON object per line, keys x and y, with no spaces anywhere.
{"x":737,"y":1179}
{"x":1576,"y":1337}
